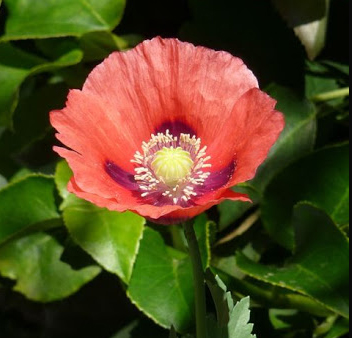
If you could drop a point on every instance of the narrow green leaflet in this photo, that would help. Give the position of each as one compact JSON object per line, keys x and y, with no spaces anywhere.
{"x":321,"y":178}
{"x":26,"y":205}
{"x":57,"y":18}
{"x":320,"y":266}
{"x":161,"y":284}
{"x":15,"y":66}
{"x":203,"y":228}
{"x":63,"y":174}
{"x":340,"y":328}
{"x":232,"y":320}
{"x":34,"y":262}
{"x":110,"y":237}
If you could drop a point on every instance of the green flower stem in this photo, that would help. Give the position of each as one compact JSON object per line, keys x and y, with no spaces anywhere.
{"x":334,"y":94}
{"x":198,"y":278}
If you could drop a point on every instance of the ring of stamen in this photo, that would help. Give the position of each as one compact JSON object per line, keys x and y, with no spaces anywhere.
{"x":171,"y":166}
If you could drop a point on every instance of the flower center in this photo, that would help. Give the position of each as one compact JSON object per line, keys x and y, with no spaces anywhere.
{"x":171,"y":169}
{"x":172,"y":165}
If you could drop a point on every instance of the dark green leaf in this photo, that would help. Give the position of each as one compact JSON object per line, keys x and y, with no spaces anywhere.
{"x":98,"y":45}
{"x":57,"y":18}
{"x":309,"y":272}
{"x":321,"y":178}
{"x":142,"y":328}
{"x":172,"y":333}
{"x":161,"y":284}
{"x":31,"y":126}
{"x":272,"y":296}
{"x":297,"y":139}
{"x":25,"y":204}
{"x":34,"y":262}
{"x":15,"y":66}
{"x":110,"y":237}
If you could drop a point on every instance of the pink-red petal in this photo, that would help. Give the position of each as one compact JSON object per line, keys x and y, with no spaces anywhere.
{"x":163,"y":80}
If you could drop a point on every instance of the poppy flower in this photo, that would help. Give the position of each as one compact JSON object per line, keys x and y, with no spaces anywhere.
{"x":165,"y":129}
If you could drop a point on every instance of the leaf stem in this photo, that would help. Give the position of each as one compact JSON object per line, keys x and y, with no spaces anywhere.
{"x":198,"y":279}
{"x":334,"y":94}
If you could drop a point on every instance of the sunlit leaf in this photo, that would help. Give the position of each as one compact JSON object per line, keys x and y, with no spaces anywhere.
{"x":34,"y":262}
{"x":309,"y":272}
{"x":161,"y":284}
{"x":57,"y":18}
{"x":110,"y":237}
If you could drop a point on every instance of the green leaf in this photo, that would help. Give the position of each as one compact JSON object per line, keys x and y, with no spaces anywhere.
{"x":161,"y":284}
{"x":309,"y":272}
{"x":26,"y":205}
{"x":110,"y":237}
{"x":321,"y":178}
{"x":57,"y":18}
{"x":15,"y":66}
{"x":34,"y":262}
{"x":340,"y":328}
{"x":232,"y":320}
{"x":309,"y":21}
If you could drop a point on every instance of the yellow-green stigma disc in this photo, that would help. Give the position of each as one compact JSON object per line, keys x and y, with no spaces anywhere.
{"x":172,"y":165}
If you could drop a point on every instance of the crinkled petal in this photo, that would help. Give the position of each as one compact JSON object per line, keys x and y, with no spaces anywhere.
{"x":165,"y":80}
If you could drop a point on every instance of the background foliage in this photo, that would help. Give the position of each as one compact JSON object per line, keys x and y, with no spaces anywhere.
{"x":71,"y":269}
